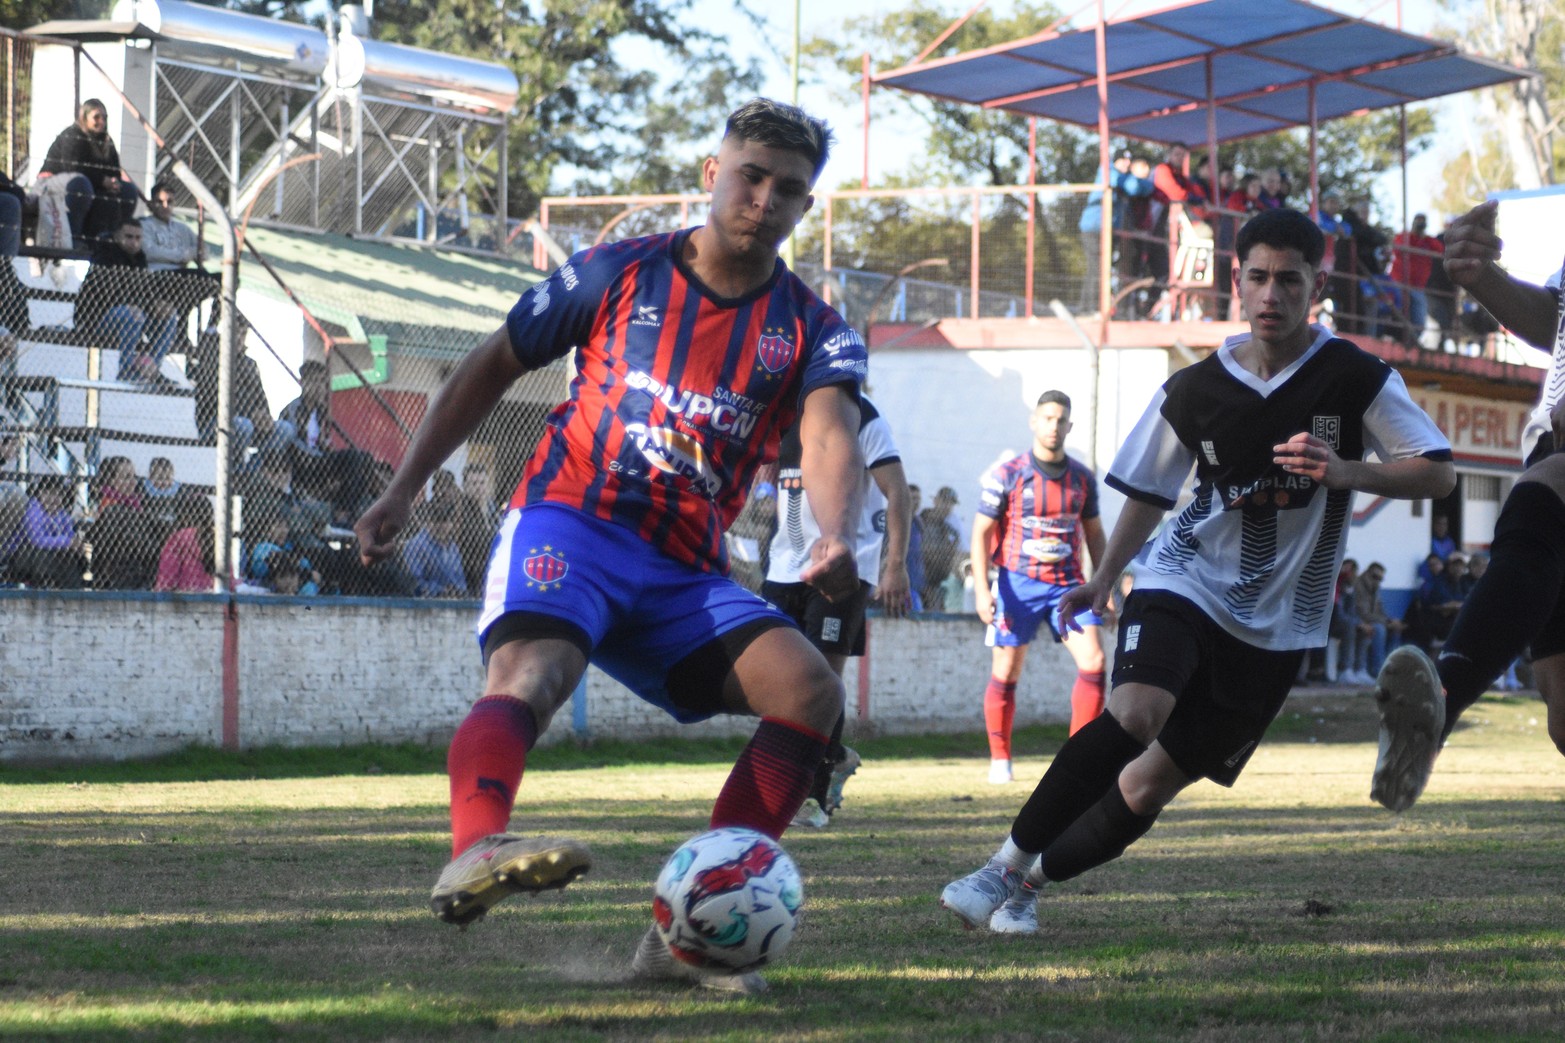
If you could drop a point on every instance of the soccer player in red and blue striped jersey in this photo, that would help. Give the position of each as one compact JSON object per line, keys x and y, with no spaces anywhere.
{"x":694,"y":351}
{"x":1035,"y":513}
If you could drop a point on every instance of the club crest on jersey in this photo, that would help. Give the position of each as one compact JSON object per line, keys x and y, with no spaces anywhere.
{"x":1329,"y":430}
{"x":775,"y":351}
{"x":674,"y":452}
{"x":545,"y":569}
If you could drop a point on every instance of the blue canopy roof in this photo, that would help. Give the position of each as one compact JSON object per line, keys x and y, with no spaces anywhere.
{"x":1264,"y":58}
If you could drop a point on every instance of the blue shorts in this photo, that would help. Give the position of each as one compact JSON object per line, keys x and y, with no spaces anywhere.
{"x":1022,"y":605}
{"x":637,"y":612}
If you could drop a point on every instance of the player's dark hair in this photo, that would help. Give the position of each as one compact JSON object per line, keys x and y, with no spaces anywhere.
{"x":1282,"y":229}
{"x":775,"y":125}
{"x":1055,"y":398}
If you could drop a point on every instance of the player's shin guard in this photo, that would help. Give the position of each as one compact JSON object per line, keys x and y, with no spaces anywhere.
{"x":487,"y":757}
{"x":1505,"y":611}
{"x":999,"y":712}
{"x":1087,"y":765}
{"x":1086,"y":699}
{"x":1099,"y":836}
{"x":771,"y":778}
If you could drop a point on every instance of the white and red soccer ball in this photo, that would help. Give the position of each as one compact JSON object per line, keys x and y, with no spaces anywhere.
{"x":728,"y":900}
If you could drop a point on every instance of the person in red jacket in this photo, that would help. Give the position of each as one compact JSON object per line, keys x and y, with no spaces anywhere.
{"x":1413,"y":256}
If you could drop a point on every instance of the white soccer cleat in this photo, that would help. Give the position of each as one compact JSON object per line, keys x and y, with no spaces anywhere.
{"x":976,"y":896}
{"x":1412,"y":715}
{"x":840,"y":773}
{"x":1019,"y":915}
{"x":653,"y":962}
{"x":1000,"y":773}
{"x":500,"y":865}
{"x":811,"y":814}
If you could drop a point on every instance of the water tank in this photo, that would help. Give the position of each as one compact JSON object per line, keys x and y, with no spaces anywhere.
{"x":197,"y":30}
{"x":466,"y":83}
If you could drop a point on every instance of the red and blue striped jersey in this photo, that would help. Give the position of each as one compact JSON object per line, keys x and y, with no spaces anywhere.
{"x":1040,"y":517}
{"x":679,"y":394}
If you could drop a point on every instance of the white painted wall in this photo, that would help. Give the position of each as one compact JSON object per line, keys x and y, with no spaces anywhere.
{"x":110,"y":676}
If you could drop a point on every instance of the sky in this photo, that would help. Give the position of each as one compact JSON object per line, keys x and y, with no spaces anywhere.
{"x":892,"y":146}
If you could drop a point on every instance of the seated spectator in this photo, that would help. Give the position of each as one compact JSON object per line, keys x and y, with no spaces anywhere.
{"x":338,"y":476}
{"x":269,"y":491}
{"x":170,"y":244}
{"x":252,"y":422}
{"x":1347,"y":625}
{"x":1441,"y":599}
{"x":432,"y":556}
{"x":82,"y":172}
{"x":188,"y":561}
{"x":161,"y":491}
{"x":288,"y":574}
{"x":49,"y":549}
{"x":119,"y":303}
{"x":1441,"y":543}
{"x":126,"y":537}
{"x":1379,"y":633}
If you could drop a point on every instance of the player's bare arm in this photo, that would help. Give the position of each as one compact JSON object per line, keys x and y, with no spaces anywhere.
{"x":894,"y":592}
{"x":1472,"y":254}
{"x":831,"y":464}
{"x":455,"y":412}
{"x":986,"y":536}
{"x":1137,"y":521}
{"x":1416,"y":478}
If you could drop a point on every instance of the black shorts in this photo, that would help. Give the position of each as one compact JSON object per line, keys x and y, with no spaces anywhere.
{"x":1551,"y":639}
{"x":834,"y":627}
{"x":1227,"y":692}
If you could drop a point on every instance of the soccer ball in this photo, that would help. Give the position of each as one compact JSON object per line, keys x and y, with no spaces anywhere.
{"x":728,"y":900}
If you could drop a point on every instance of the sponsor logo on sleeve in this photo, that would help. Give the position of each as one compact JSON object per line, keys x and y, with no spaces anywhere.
{"x":540,"y":298}
{"x":568,"y":276}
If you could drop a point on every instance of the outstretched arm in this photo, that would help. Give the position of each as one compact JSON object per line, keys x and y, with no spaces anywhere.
{"x":830,"y":465}
{"x":467,"y":396}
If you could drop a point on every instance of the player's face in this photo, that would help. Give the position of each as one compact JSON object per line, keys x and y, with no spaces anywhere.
{"x":759,"y":193}
{"x":1051,"y":422}
{"x":1277,"y":287}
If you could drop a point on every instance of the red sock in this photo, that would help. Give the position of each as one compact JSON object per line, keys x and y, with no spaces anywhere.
{"x":999,"y":712}
{"x":771,"y":778}
{"x":1086,"y":699}
{"x":487,"y":756}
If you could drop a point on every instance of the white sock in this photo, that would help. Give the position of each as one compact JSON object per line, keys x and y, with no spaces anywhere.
{"x":1014,"y":857}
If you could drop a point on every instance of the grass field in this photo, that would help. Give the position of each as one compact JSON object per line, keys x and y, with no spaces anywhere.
{"x":282,"y":896}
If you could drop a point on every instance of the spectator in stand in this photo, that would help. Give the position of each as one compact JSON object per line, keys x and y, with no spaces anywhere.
{"x":477,"y":520}
{"x":1440,"y":293}
{"x":942,"y":543}
{"x":1348,"y":627}
{"x":49,"y":549}
{"x":1378,"y":632}
{"x":13,"y":201}
{"x":188,"y":561}
{"x":1413,"y":260}
{"x":1170,"y":185}
{"x":288,"y":574}
{"x":1273,"y":193}
{"x":119,"y":303}
{"x":1125,"y":186}
{"x":1239,"y":206}
{"x":270,"y":489}
{"x":1441,"y":542}
{"x":432,"y":556}
{"x":170,"y":244}
{"x":1441,"y":599}
{"x":277,"y":545}
{"x":337,"y":476}
{"x":252,"y":423}
{"x":126,"y":537}
{"x":82,"y":172}
{"x":161,"y":491}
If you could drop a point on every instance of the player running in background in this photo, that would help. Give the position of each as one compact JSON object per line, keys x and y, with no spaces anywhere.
{"x":1520,"y":601}
{"x":694,"y":351}
{"x":837,"y":627}
{"x":1230,"y":594}
{"x":1034,"y":514}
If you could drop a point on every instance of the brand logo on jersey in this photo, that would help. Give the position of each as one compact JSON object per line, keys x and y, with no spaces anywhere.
{"x":1209,"y":451}
{"x":845,"y":339}
{"x":545,"y":569}
{"x":676,"y":453}
{"x":1236,"y":758}
{"x":646,"y":315}
{"x":1132,"y":637}
{"x":775,"y":351}
{"x":1329,"y":430}
{"x":568,"y":276}
{"x":541,"y":299}
{"x":728,"y":413}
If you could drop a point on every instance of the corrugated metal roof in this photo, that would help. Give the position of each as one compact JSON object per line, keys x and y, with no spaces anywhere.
{"x":436,"y":303}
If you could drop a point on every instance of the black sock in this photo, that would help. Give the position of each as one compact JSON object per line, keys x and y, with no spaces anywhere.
{"x":833,"y":757}
{"x":1506,"y":610}
{"x":1101,"y":835}
{"x":1088,"y":764}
